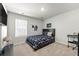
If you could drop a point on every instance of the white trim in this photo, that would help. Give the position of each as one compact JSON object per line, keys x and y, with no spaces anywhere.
{"x":61,"y":42}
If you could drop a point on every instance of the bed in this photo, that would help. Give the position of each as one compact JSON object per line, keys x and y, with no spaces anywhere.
{"x":39,"y":41}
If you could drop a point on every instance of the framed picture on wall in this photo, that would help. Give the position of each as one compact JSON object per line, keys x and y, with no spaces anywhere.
{"x":32,"y":26}
{"x":35,"y":27}
{"x":49,"y":25}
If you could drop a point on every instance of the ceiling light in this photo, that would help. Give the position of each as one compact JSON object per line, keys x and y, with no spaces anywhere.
{"x":42,"y":9}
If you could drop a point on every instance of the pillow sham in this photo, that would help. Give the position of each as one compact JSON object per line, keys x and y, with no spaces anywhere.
{"x":49,"y":33}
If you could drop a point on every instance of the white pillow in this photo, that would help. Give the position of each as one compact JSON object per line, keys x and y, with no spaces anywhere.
{"x":49,"y":33}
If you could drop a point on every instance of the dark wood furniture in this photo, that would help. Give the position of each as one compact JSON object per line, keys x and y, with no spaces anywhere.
{"x":3,"y":15}
{"x":50,"y":30}
{"x":78,"y":44}
{"x":71,"y":39}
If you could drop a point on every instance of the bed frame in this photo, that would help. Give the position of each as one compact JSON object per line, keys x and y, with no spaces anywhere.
{"x":45,"y":30}
{"x":50,"y":30}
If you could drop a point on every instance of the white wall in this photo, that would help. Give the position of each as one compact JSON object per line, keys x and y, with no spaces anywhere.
{"x":30,"y":21}
{"x":65,"y":24}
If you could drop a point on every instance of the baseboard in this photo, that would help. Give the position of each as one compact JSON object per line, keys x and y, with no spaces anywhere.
{"x":19,"y":44}
{"x":62,"y":43}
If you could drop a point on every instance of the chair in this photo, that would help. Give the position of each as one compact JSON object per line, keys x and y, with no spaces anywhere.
{"x":76,"y":43}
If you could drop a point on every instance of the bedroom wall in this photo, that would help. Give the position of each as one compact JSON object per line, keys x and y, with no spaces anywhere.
{"x":66,"y":23}
{"x":31,"y":21}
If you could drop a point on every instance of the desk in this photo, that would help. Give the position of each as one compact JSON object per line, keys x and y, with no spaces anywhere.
{"x":73,"y":37}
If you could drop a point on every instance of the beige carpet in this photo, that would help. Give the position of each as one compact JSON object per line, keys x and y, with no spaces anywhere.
{"x":54,"y":49}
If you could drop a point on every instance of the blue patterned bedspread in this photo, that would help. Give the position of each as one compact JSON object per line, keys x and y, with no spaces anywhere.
{"x":39,"y":40}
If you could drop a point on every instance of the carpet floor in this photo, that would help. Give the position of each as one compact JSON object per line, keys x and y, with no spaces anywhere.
{"x":54,"y":49}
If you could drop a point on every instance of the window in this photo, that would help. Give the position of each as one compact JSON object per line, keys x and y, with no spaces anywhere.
{"x":20,"y":27}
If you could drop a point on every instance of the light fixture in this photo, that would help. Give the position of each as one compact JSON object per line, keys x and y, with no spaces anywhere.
{"x":42,"y":9}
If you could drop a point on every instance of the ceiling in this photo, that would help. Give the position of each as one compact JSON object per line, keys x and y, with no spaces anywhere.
{"x":34,"y":9}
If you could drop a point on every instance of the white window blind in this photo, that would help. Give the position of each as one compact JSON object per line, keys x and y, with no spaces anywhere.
{"x":20,"y":27}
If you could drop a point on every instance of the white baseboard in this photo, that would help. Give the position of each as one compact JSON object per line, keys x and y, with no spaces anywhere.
{"x":62,"y":42}
{"x":19,"y":44}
